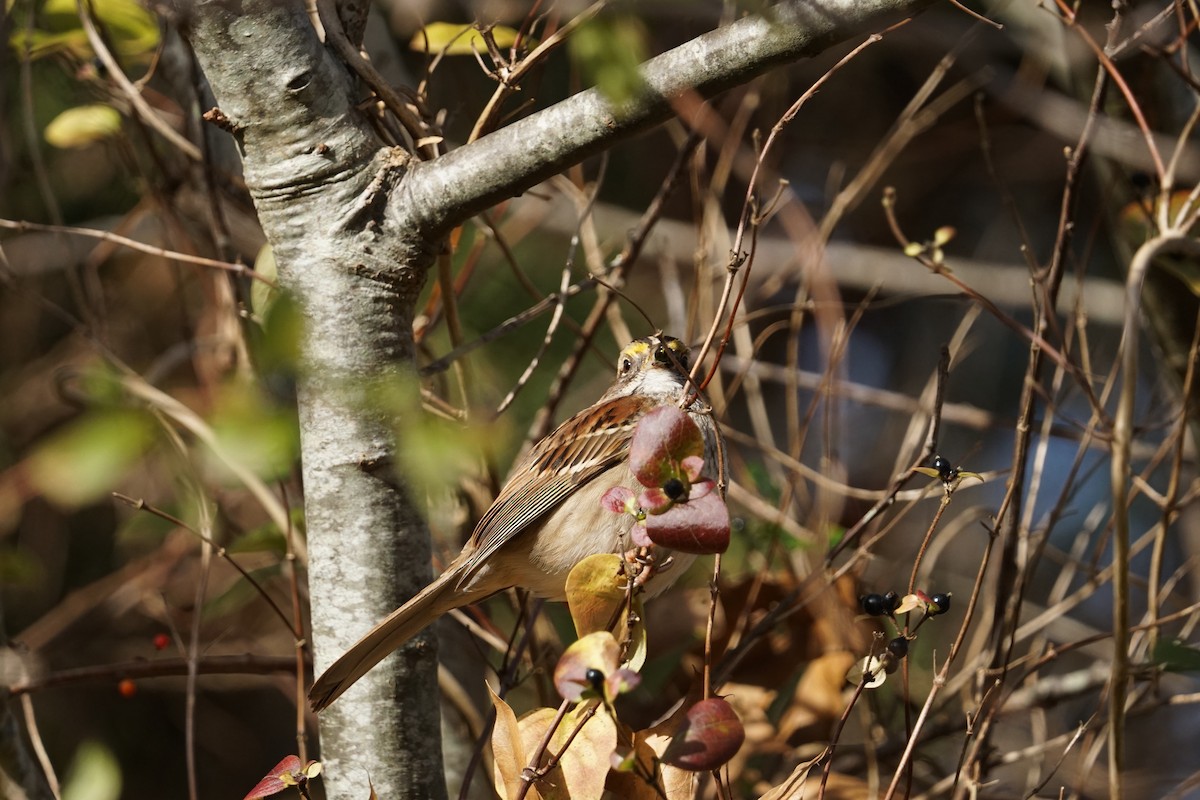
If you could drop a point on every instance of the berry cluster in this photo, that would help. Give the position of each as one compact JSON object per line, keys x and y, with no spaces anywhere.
{"x":878,"y":605}
{"x":872,"y":669}
{"x":891,"y":604}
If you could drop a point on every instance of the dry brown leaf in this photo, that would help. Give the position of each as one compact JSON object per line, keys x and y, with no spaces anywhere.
{"x":583,"y":767}
{"x":508,"y":751}
{"x":751,"y":703}
{"x":819,"y":698}
{"x":805,"y":784}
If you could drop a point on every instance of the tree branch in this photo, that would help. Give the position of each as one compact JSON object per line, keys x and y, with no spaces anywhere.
{"x":441,"y":194}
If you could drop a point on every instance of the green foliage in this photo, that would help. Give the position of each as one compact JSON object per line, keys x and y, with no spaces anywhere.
{"x":19,"y":568}
{"x":93,"y":775}
{"x":267,"y":538}
{"x":1175,"y":656}
{"x":240,"y":593}
{"x":256,"y":432}
{"x":434,"y":452}
{"x":90,"y":456}
{"x":608,"y":50}
{"x":130,"y":30}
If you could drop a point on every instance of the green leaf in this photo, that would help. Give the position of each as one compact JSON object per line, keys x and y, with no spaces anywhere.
{"x":265,"y":539}
{"x":90,"y":456}
{"x":1175,"y":656}
{"x":39,"y":43}
{"x":609,"y":51}
{"x":18,"y":567}
{"x":238,"y":595}
{"x":94,"y":774}
{"x":256,"y":433}
{"x":278,"y":350}
{"x":131,"y":31}
{"x":83,"y":125}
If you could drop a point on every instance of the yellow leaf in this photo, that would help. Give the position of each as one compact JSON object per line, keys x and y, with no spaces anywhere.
{"x":459,"y":40}
{"x":595,"y":597}
{"x":83,"y":125}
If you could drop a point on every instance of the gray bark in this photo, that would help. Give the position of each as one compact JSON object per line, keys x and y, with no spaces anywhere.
{"x":355,"y":228}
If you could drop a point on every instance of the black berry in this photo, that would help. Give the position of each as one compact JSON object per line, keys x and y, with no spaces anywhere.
{"x":898,"y":647}
{"x":891,"y":601}
{"x":940,"y":603}
{"x":945,"y":471}
{"x":674,"y":488}
{"x":873,"y":604}
{"x":595,"y":679}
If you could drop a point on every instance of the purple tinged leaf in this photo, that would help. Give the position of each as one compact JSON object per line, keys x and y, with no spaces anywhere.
{"x":586,"y":665}
{"x":693,"y":466}
{"x":710,"y":735}
{"x":664,"y":438}
{"x":621,"y":681}
{"x":699,"y":526}
{"x":287,"y":772}
{"x":655,"y":500}
{"x":619,"y":500}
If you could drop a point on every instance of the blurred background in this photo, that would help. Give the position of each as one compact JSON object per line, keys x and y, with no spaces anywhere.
{"x":167,"y":379}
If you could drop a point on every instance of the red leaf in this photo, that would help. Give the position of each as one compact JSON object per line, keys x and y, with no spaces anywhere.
{"x":619,"y":500}
{"x":710,"y":735}
{"x":693,"y":466}
{"x":664,"y":438}
{"x":654,"y":500}
{"x":701,"y":526}
{"x":278,"y":779}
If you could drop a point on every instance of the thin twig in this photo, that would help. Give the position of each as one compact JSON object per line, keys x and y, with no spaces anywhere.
{"x":158,"y":668}
{"x":237,"y":269}
{"x":132,"y":93}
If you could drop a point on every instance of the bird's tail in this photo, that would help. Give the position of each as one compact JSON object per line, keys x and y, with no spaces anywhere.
{"x":401,"y":625}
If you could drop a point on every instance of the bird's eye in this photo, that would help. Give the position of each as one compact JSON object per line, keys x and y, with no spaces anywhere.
{"x":626,"y":365}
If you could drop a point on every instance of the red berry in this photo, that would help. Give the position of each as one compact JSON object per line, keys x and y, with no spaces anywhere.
{"x":127,"y":688}
{"x":161,"y":641}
